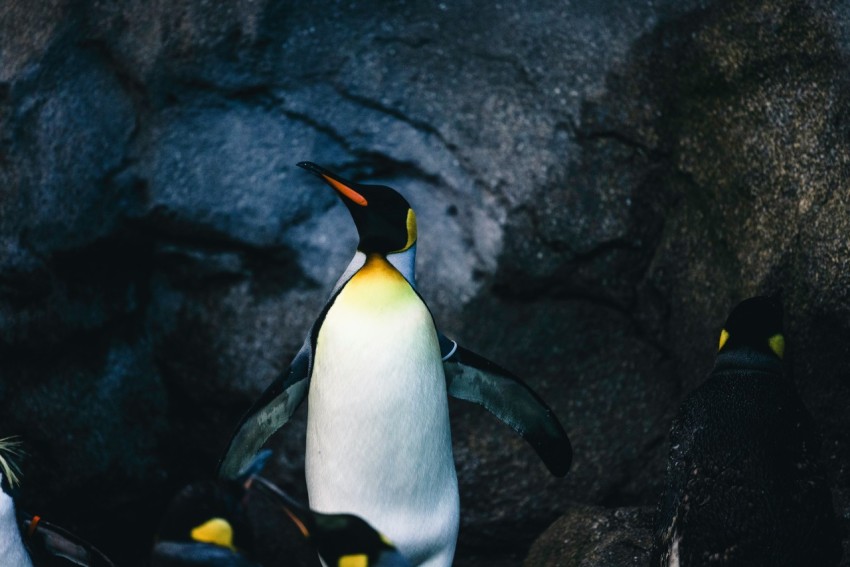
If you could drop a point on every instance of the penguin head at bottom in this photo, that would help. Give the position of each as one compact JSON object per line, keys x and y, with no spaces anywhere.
{"x":205,"y":524}
{"x":346,"y":540}
{"x":341,"y":540}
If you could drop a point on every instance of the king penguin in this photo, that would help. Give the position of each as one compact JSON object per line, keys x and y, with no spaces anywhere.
{"x":377,"y":373}
{"x":744,"y":486}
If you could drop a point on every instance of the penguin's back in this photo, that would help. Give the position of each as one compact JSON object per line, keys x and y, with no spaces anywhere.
{"x":745,"y":476}
{"x":378,"y":436}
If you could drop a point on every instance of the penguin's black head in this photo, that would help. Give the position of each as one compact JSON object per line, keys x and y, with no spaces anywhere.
{"x":340,"y":537}
{"x":208,"y":512}
{"x":342,"y":540}
{"x":755,"y":323}
{"x":384,"y":219}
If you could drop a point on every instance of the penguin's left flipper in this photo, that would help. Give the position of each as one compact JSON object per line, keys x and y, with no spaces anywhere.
{"x":473,"y":378}
{"x":267,"y":415}
{"x":48,"y":540}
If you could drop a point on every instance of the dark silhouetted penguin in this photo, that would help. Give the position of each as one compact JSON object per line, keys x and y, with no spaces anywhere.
{"x":378,"y":374}
{"x":744,"y":486}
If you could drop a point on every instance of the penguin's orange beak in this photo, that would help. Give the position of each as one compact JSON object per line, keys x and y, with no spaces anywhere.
{"x":341,"y":186}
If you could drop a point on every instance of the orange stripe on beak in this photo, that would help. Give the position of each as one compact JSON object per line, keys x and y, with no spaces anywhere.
{"x":346,"y":191}
{"x":301,"y":527}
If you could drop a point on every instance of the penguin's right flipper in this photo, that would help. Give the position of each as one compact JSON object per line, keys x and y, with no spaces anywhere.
{"x":267,"y":415}
{"x":48,"y":542}
{"x":473,"y":378}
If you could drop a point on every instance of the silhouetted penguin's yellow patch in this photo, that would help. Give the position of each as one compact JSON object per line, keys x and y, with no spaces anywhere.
{"x":777,"y":344}
{"x":724,"y":336}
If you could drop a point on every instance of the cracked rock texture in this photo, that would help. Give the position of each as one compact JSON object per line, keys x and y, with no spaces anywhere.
{"x":597,"y":184}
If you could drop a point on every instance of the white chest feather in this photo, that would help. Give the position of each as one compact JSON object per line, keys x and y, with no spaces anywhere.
{"x":378,"y":437}
{"x":12,"y":552}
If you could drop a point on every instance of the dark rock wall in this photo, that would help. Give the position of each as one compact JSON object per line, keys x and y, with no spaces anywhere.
{"x":597,"y":183}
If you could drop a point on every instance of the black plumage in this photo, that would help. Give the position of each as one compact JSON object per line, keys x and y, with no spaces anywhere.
{"x":744,"y":484}
{"x":192,"y":507}
{"x":336,"y":536}
{"x":178,"y":543}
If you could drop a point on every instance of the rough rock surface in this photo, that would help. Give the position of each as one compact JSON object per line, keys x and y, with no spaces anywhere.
{"x":596,"y":183}
{"x":589,"y":536}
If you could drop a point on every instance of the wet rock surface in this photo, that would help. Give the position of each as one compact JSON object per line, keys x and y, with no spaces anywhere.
{"x":589,"y":536}
{"x":596,"y":185}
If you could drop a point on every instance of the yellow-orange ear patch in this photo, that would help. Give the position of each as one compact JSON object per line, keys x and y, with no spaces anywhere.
{"x":353,"y":561}
{"x":411,"y":229}
{"x":724,"y":336}
{"x":346,"y":191}
{"x":216,"y":531}
{"x":777,"y":344}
